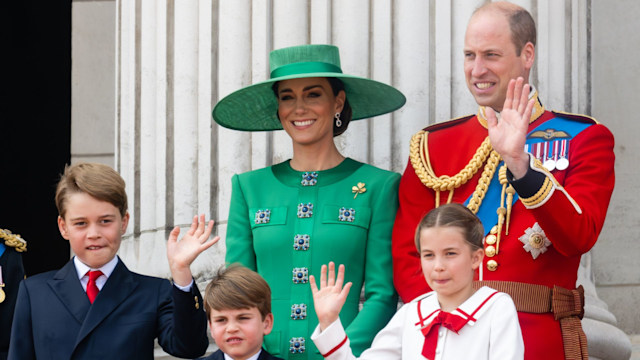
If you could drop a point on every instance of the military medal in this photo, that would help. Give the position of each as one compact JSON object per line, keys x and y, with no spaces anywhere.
{"x":563,"y":162}
{"x":535,"y":241}
{"x":536,"y":151}
{"x":550,"y":152}
{"x":2,"y":295}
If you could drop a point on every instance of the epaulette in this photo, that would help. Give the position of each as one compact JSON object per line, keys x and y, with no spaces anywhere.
{"x":448,"y":123}
{"x":577,"y":117}
{"x":13,"y":240}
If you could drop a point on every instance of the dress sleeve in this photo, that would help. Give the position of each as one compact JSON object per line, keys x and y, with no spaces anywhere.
{"x":415,"y":201}
{"x":182,"y":322}
{"x":21,"y":343}
{"x":239,"y":240}
{"x":380,"y":297}
{"x":505,"y":342}
{"x":334,"y":344}
{"x":583,"y":197}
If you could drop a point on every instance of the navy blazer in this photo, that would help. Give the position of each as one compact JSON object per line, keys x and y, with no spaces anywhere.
{"x":219,"y":355}
{"x":54,"y":319}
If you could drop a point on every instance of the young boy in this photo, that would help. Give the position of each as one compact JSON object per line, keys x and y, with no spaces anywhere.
{"x":94,"y":307}
{"x":238,"y":305}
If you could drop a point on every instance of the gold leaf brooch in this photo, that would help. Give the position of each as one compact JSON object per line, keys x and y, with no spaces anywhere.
{"x":359,"y":189}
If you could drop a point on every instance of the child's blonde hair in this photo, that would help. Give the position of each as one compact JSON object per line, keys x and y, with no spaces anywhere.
{"x":453,"y":215}
{"x":237,"y":287}
{"x":97,"y":180}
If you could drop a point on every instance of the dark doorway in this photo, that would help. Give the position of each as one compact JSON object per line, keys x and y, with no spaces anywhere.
{"x":35,"y":125}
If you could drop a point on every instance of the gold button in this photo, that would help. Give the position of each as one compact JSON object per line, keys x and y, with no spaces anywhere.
{"x":490,"y":239}
{"x":492,"y":265}
{"x":490,"y":251}
{"x":494,"y":230}
{"x":197,"y":302}
{"x":536,"y":240}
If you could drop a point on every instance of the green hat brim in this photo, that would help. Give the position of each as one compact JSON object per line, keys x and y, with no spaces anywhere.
{"x":254,"y":107}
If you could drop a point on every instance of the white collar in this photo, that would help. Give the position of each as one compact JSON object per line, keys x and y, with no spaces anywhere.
{"x":253,"y":357}
{"x":82,"y":268}
{"x":476,"y":305}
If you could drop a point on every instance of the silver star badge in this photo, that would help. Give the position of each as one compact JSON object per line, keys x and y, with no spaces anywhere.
{"x":535,"y":241}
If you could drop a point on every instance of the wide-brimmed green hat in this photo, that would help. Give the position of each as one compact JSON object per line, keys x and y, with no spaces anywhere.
{"x":254,"y":107}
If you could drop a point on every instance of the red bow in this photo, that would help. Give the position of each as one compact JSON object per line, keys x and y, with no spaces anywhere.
{"x":430,"y":332}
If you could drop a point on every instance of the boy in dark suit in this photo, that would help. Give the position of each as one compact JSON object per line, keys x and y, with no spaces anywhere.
{"x":238,"y":305}
{"x":94,"y":307}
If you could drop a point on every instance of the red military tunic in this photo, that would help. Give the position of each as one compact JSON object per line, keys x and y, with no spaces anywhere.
{"x":568,"y":205}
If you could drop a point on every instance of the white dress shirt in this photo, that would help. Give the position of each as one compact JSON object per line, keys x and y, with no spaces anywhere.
{"x":107,"y":269}
{"x":254,"y":357}
{"x":82,"y":269}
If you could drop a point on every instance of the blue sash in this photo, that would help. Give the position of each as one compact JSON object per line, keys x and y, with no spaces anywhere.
{"x":570,"y":127}
{"x":487,"y":211}
{"x":2,"y":247}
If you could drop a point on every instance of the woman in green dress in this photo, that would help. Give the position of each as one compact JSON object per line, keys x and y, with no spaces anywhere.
{"x":288,"y":219}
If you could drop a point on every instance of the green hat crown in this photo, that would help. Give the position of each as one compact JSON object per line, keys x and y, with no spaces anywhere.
{"x":254,"y":108}
{"x":305,"y":59}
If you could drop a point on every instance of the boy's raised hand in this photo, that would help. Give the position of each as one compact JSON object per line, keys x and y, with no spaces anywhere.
{"x":182,"y":253}
{"x":330,"y":298}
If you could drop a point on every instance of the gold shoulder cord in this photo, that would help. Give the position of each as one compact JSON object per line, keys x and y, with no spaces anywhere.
{"x":419,"y":157}
{"x":509,"y":191}
{"x":13,"y":240}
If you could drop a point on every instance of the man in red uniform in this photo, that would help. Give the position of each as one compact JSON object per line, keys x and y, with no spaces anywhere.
{"x":540,"y":181}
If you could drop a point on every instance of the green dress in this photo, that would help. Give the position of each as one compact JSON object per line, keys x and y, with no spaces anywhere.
{"x":285,"y":224}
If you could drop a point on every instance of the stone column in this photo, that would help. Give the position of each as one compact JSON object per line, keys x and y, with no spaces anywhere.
{"x":605,"y":340}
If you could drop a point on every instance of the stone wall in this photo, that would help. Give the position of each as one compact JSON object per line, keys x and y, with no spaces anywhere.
{"x":615,"y":73}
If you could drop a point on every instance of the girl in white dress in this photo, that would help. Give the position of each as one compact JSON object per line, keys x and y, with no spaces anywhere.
{"x":454,"y":321}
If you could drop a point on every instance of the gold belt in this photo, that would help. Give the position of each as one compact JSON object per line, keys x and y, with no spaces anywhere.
{"x":566,"y":305}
